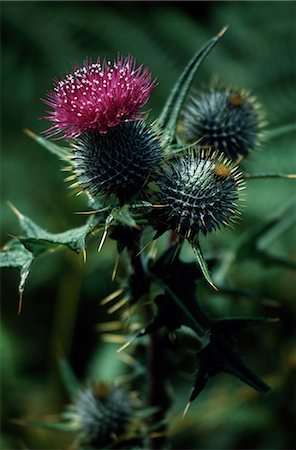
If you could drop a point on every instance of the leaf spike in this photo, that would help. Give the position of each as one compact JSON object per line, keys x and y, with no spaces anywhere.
{"x":223,"y":31}
{"x":29,"y":133}
{"x":20,"y":304}
{"x":102,"y":240}
{"x":127,"y":344}
{"x":186,"y":409}
{"x":118,"y":305}
{"x":114,"y":272}
{"x":14,"y":209}
{"x":84,"y":255}
{"x":111,"y":296}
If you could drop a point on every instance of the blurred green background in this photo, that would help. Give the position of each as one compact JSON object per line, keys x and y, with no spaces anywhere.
{"x":40,"y":41}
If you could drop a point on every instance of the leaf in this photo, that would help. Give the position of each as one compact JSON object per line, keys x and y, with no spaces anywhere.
{"x":58,"y":426}
{"x":20,"y":253}
{"x":203,"y":265}
{"x":37,"y":240}
{"x":61,"y":152}
{"x":170,"y":114}
{"x":70,"y":381}
{"x":280,"y":131}
{"x":221,"y":355}
{"x":14,"y":254}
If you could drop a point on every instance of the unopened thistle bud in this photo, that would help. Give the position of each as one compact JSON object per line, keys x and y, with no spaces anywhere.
{"x":118,"y":162}
{"x":224,"y":119}
{"x":101,"y":415}
{"x":198,"y":194}
{"x":98,"y":105}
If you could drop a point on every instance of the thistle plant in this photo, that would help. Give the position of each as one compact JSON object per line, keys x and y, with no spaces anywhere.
{"x":175,"y":180}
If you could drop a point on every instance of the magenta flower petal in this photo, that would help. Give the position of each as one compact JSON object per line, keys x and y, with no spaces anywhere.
{"x":98,"y":96}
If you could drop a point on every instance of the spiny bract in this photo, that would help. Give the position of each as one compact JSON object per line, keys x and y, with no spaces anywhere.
{"x":118,"y":162}
{"x":198,"y":194}
{"x":224,"y":119}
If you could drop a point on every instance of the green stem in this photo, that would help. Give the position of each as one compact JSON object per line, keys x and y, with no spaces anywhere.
{"x":280,"y":131}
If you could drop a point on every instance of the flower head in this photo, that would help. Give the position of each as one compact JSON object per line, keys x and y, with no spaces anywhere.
{"x":98,"y":96}
{"x":101,"y":415}
{"x":225,"y":119}
{"x":198,"y":193}
{"x":119,"y":162}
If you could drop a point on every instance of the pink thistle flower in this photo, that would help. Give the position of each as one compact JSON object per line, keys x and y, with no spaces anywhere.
{"x":98,"y":96}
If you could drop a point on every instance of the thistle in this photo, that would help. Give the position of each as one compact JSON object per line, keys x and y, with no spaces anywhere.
{"x":224,"y":119}
{"x":118,"y":162}
{"x":98,"y":106}
{"x":198,"y":194}
{"x":101,"y":415}
{"x":98,"y":96}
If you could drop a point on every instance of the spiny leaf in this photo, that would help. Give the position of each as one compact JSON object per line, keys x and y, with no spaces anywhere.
{"x":256,"y":176}
{"x":15,"y":255}
{"x":203,"y":265}
{"x":280,"y":131}
{"x":170,"y":114}
{"x":37,"y":240}
{"x":61,"y":152}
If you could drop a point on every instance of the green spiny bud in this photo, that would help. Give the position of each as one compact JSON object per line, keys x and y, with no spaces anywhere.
{"x":198,"y":194}
{"x":224,"y":119}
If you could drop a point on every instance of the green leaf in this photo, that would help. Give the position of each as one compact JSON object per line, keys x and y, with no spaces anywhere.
{"x":256,"y":176}
{"x":58,"y":426}
{"x":37,"y":240}
{"x":56,"y":150}
{"x":170,"y":114}
{"x":280,"y":131}
{"x":70,"y":381}
{"x":203,"y":265}
{"x":14,"y":254}
{"x":20,"y":253}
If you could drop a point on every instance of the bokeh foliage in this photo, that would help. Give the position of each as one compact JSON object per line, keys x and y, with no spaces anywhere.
{"x":42,"y":40}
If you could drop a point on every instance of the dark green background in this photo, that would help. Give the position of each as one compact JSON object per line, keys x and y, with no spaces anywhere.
{"x":40,"y":41}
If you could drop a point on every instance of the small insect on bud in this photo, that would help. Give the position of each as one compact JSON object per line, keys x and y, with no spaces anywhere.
{"x":199,"y":193}
{"x":223,"y":119}
{"x":101,"y":415}
{"x":118,"y":162}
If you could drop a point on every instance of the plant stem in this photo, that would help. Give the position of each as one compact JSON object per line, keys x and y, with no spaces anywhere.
{"x":157,"y":395}
{"x":156,"y":364}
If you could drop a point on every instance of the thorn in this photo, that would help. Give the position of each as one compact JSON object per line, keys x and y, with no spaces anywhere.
{"x":113,"y":338}
{"x":127,"y":344}
{"x":29,"y":133}
{"x":186,"y":409}
{"x":102,"y":240}
{"x":84,"y":212}
{"x":144,"y":248}
{"x":115,"y":267}
{"x":213,"y":286}
{"x":224,"y":29}
{"x":110,"y":297}
{"x":14,"y":209}
{"x":109,"y":326}
{"x":20,"y":304}
{"x":118,"y":305}
{"x":291,"y":175}
{"x":84,"y":254}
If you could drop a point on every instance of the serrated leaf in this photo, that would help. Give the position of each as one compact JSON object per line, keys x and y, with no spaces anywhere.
{"x":171,"y":111}
{"x":37,"y":240}
{"x":20,"y":253}
{"x":56,"y":150}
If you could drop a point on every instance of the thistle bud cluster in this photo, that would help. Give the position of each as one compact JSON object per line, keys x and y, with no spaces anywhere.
{"x":117,"y":156}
